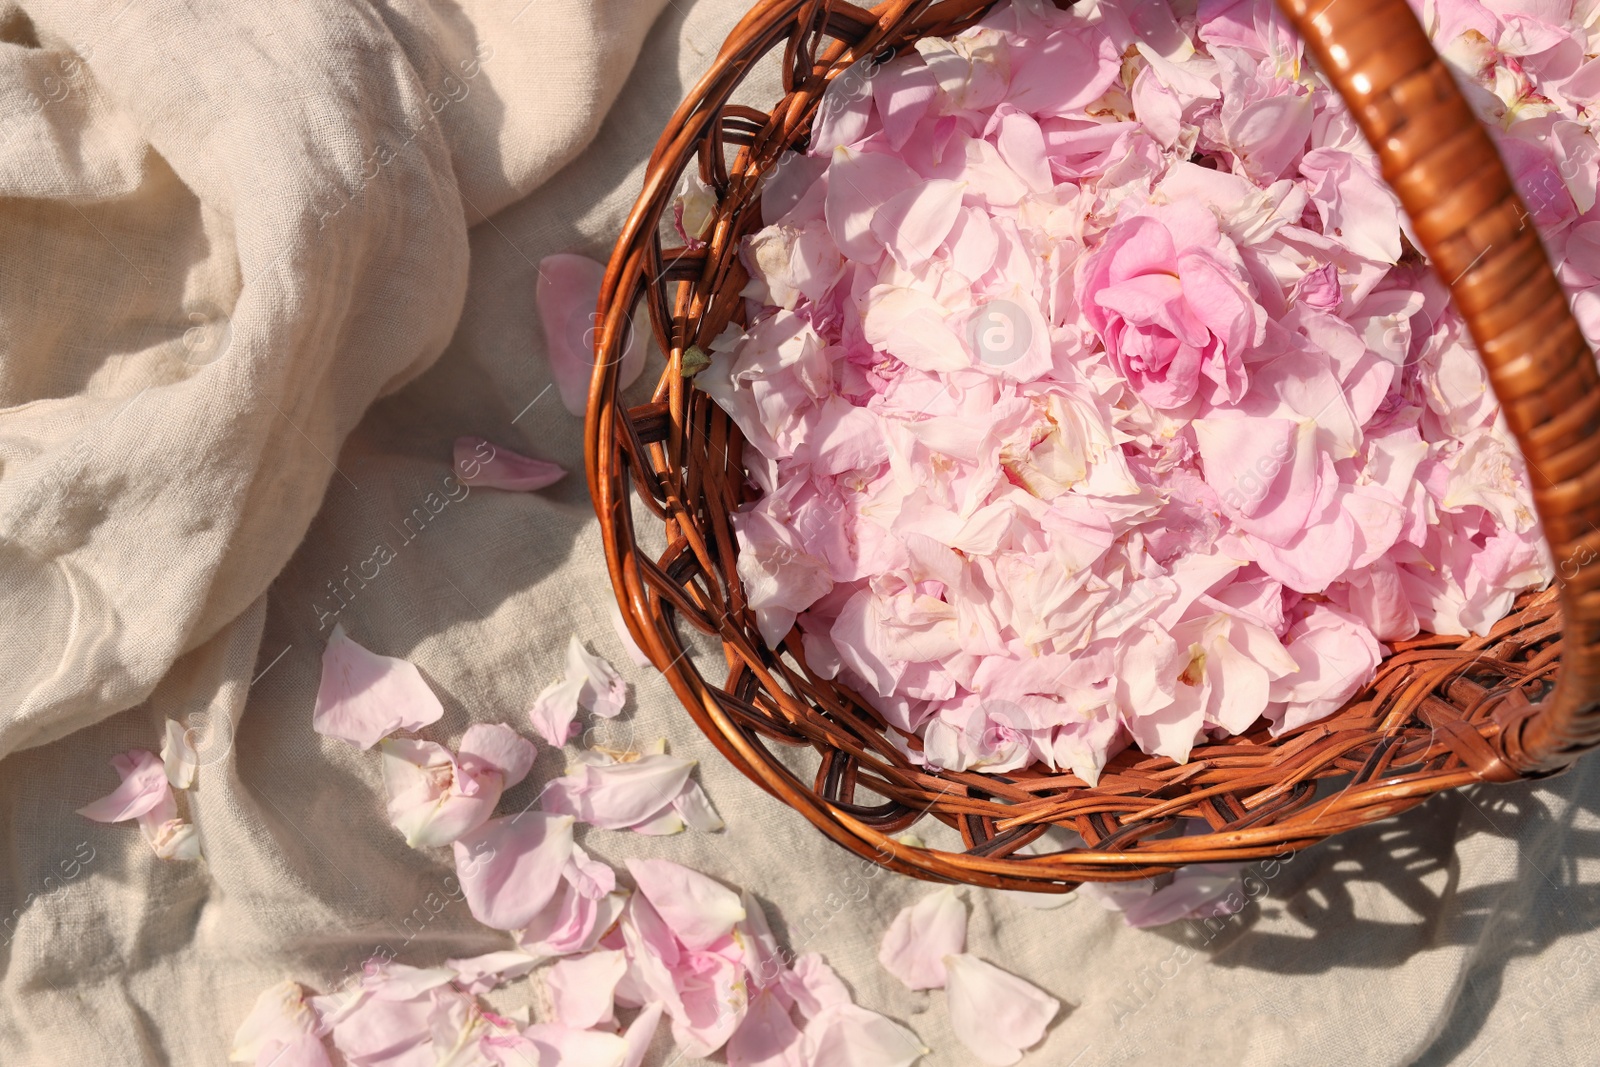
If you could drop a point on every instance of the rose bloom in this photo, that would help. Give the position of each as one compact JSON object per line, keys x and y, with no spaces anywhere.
{"x":1167,"y":295}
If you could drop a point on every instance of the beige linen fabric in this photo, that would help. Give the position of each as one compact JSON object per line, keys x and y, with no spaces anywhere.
{"x":259,"y":265}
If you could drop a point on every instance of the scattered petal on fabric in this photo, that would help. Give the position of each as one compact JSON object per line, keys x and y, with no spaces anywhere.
{"x":555,"y":710}
{"x":996,"y":1015}
{"x":435,"y":797}
{"x":479,"y":974}
{"x":145,"y":789}
{"x":173,"y":839}
{"x":178,"y":755}
{"x":768,"y":1036}
{"x":629,"y":645}
{"x":567,"y":296}
{"x":698,"y":910}
{"x":846,"y":1035}
{"x":281,"y":1028}
{"x":562,"y":1046}
{"x":640,"y":1033}
{"x":650,"y":793}
{"x":922,"y":935}
{"x":582,"y":987}
{"x":389,"y":1015}
{"x":509,"y":867}
{"x":814,"y":985}
{"x":146,"y":795}
{"x":590,"y":681}
{"x":481,"y":463}
{"x":1201,"y":891}
{"x":604,"y":690}
{"x":365,"y":697}
{"x":694,"y":808}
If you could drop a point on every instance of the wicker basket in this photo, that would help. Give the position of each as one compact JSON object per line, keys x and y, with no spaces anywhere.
{"x":1442,"y":712}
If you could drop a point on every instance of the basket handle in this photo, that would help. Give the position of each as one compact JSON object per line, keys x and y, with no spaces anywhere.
{"x":1473,"y":226}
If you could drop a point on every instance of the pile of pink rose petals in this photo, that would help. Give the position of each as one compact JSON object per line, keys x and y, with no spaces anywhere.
{"x":1096,"y":394}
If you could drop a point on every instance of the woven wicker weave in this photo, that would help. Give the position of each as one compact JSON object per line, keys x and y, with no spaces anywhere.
{"x":1443,"y":711}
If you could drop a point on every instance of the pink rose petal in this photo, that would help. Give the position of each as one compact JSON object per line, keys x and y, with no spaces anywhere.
{"x":581,"y":987}
{"x":921,"y":936}
{"x":997,"y":1015}
{"x":509,"y":868}
{"x":567,"y":295}
{"x":364,"y":697}
{"x":145,"y":789}
{"x":698,"y":910}
{"x":491,"y":466}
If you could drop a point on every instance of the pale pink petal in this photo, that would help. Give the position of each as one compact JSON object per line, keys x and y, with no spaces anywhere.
{"x":364,"y":697}
{"x":172,"y":839}
{"x":604,"y":690}
{"x":555,"y":709}
{"x":1336,"y":656}
{"x":1021,"y":145}
{"x":859,"y":183}
{"x":664,"y":824}
{"x":144,"y":789}
{"x":1158,"y":107}
{"x":844,"y":112}
{"x":481,"y":463}
{"x":581,"y":987}
{"x":618,"y":796}
{"x":497,"y":747}
{"x":567,"y":296}
{"x":588,"y":875}
{"x":914,"y":328}
{"x":279,"y":1018}
{"x":814,"y":985}
{"x":903,"y":89}
{"x":629,"y":645}
{"x":425,"y":801}
{"x":845,"y":1035}
{"x":302,"y":1050}
{"x":479,"y":974}
{"x":641,"y":1032}
{"x":571,"y":923}
{"x":694,"y":208}
{"x":768,"y":1036}
{"x":386,"y":1020}
{"x":505,"y":1050}
{"x":509,"y":868}
{"x":1068,"y":70}
{"x":996,"y":1014}
{"x":178,"y":755}
{"x":562,"y":1046}
{"x":921,"y":936}
{"x":698,"y":910}
{"x":695,"y":808}
{"x":653,"y":952}
{"x":913,"y":224}
{"x":1200,"y":891}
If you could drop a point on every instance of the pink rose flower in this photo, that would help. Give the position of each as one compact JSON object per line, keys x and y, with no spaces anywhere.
{"x":1168,"y":298}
